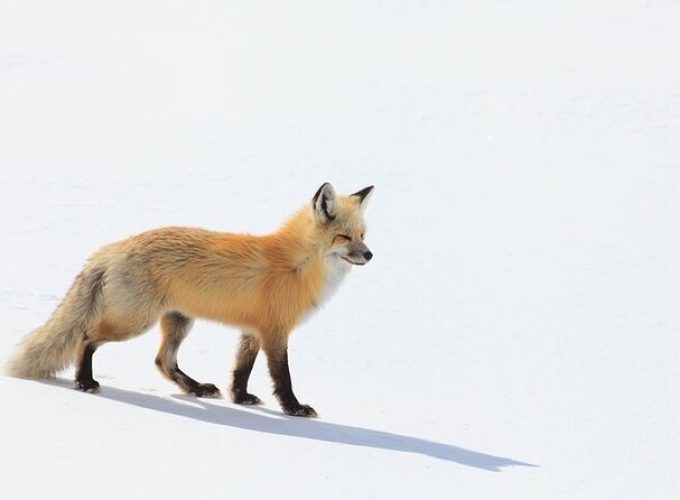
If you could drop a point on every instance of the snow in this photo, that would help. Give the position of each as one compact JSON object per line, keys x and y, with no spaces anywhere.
{"x":514,"y":336}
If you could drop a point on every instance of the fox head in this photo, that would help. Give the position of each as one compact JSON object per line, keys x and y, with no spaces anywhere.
{"x":340,"y":220}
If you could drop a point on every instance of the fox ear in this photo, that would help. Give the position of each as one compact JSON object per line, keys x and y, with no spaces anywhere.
{"x":364,"y":195}
{"x":324,"y":202}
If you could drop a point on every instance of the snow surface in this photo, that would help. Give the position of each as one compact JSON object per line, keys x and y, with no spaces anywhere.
{"x":516,"y":334}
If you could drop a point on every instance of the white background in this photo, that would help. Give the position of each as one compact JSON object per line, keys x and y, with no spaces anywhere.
{"x":516,"y":334}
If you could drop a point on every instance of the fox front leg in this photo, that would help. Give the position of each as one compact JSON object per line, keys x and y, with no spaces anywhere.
{"x":277,"y":359}
{"x":247,"y":351}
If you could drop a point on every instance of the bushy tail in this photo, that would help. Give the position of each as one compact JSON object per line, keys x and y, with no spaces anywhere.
{"x":52,"y":347}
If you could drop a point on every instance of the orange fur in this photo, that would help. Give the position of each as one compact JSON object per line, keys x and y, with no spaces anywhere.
{"x":264,"y":285}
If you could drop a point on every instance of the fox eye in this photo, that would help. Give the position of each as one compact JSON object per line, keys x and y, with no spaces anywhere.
{"x":362,"y":236}
{"x":343,"y":237}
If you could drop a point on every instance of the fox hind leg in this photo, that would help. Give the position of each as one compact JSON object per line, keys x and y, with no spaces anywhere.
{"x":246,"y":353}
{"x":103,"y":332}
{"x":84,"y":379}
{"x":174,"y":329}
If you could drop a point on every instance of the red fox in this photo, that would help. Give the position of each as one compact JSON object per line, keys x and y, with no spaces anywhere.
{"x":263,"y":285}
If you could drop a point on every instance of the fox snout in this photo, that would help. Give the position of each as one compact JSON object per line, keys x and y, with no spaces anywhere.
{"x":360,"y":255}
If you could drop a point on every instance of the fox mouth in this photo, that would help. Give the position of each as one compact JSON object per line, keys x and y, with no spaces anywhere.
{"x":354,"y":263}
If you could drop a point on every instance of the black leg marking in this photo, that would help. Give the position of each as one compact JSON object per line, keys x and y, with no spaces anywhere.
{"x":277,"y":359}
{"x":190,"y":386}
{"x":84,"y":379}
{"x":175,"y":327}
{"x":246,"y":354}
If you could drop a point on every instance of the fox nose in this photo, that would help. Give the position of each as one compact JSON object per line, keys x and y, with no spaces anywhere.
{"x":368,"y":256}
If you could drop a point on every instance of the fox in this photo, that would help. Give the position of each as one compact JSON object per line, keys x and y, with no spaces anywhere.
{"x":264,"y":286}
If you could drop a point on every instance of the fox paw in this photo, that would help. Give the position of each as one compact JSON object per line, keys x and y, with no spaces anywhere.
{"x":245,"y":398}
{"x":301,"y":411}
{"x":206,"y":391}
{"x":91,"y":386}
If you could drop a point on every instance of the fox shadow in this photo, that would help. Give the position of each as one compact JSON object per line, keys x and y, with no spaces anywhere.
{"x":270,"y":422}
